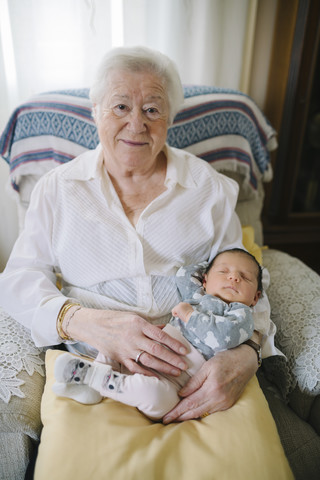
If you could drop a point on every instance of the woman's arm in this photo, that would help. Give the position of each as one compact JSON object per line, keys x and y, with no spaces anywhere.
{"x":28,"y":290}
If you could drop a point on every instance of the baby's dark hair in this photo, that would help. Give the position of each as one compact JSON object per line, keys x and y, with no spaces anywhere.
{"x":253,"y":258}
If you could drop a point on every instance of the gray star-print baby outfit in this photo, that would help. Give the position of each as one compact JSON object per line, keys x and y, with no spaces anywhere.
{"x":214,"y":324}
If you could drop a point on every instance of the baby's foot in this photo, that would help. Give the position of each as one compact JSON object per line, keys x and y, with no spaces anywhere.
{"x":71,"y":369}
{"x":112,"y":382}
{"x":79,"y":379}
{"x":80,"y":393}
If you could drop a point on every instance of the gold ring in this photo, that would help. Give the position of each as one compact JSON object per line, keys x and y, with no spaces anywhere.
{"x":138,"y":356}
{"x":204,"y":414}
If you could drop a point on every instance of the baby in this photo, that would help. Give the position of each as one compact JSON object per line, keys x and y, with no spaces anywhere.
{"x":215,"y":315}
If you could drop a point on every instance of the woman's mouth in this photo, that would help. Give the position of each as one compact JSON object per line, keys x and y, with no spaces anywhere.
{"x":132,"y":143}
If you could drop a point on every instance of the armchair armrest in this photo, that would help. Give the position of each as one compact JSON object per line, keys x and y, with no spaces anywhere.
{"x":294,"y":295}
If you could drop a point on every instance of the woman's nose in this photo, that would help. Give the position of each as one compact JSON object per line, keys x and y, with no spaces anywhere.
{"x":136,"y":121}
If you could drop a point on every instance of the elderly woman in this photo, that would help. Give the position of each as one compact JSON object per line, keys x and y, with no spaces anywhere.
{"x":117,"y":223}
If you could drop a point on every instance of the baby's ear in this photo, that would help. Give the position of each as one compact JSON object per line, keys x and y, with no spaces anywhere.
{"x":204,"y":281}
{"x":256,"y":298}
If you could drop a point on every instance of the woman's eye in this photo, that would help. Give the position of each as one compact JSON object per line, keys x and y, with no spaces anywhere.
{"x":120,"y":109}
{"x":152,"y":112}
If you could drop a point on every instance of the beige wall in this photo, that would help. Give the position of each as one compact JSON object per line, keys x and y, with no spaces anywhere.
{"x":266,"y":16}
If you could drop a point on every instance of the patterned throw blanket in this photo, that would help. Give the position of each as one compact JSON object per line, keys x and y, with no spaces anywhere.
{"x":224,"y":127}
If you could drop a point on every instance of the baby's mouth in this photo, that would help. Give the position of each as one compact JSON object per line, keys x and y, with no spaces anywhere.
{"x":231,"y":287}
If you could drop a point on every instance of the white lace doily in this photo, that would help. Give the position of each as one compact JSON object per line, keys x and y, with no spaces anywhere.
{"x":17,"y":353}
{"x":294,"y":295}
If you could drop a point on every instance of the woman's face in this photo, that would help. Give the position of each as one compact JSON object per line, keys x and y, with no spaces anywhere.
{"x":132,"y":121}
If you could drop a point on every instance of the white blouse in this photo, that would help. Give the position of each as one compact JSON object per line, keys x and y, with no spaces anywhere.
{"x":76,"y":226}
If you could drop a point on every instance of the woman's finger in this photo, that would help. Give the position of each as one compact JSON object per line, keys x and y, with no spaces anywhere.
{"x":133,"y":367}
{"x":160,"y":336}
{"x":157,"y":353}
{"x":194,"y":405}
{"x":153,"y":361}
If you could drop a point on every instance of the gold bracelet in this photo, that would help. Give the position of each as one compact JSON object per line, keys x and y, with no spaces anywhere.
{"x":66,"y":327}
{"x":60,"y":319}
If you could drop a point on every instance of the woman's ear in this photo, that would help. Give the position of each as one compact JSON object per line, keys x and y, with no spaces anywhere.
{"x":256,"y":298}
{"x":94,"y":112}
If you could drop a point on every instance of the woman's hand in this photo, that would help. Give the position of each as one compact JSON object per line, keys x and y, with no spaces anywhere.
{"x":123,"y":335}
{"x":217,"y":385}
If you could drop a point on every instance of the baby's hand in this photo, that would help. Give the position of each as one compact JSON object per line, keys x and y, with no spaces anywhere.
{"x":183,"y":310}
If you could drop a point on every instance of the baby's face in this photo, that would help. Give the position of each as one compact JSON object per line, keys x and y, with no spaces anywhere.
{"x":233,"y":277}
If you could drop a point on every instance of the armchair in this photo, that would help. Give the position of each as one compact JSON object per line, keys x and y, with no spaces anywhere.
{"x":226,"y":129}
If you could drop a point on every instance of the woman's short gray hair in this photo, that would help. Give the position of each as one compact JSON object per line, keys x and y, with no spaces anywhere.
{"x":139,"y":59}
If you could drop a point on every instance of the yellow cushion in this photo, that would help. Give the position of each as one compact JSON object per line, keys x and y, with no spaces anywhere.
{"x":249,"y":243}
{"x":113,"y":441}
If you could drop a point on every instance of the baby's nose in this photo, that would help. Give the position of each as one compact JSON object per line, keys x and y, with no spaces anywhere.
{"x":235,"y":276}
